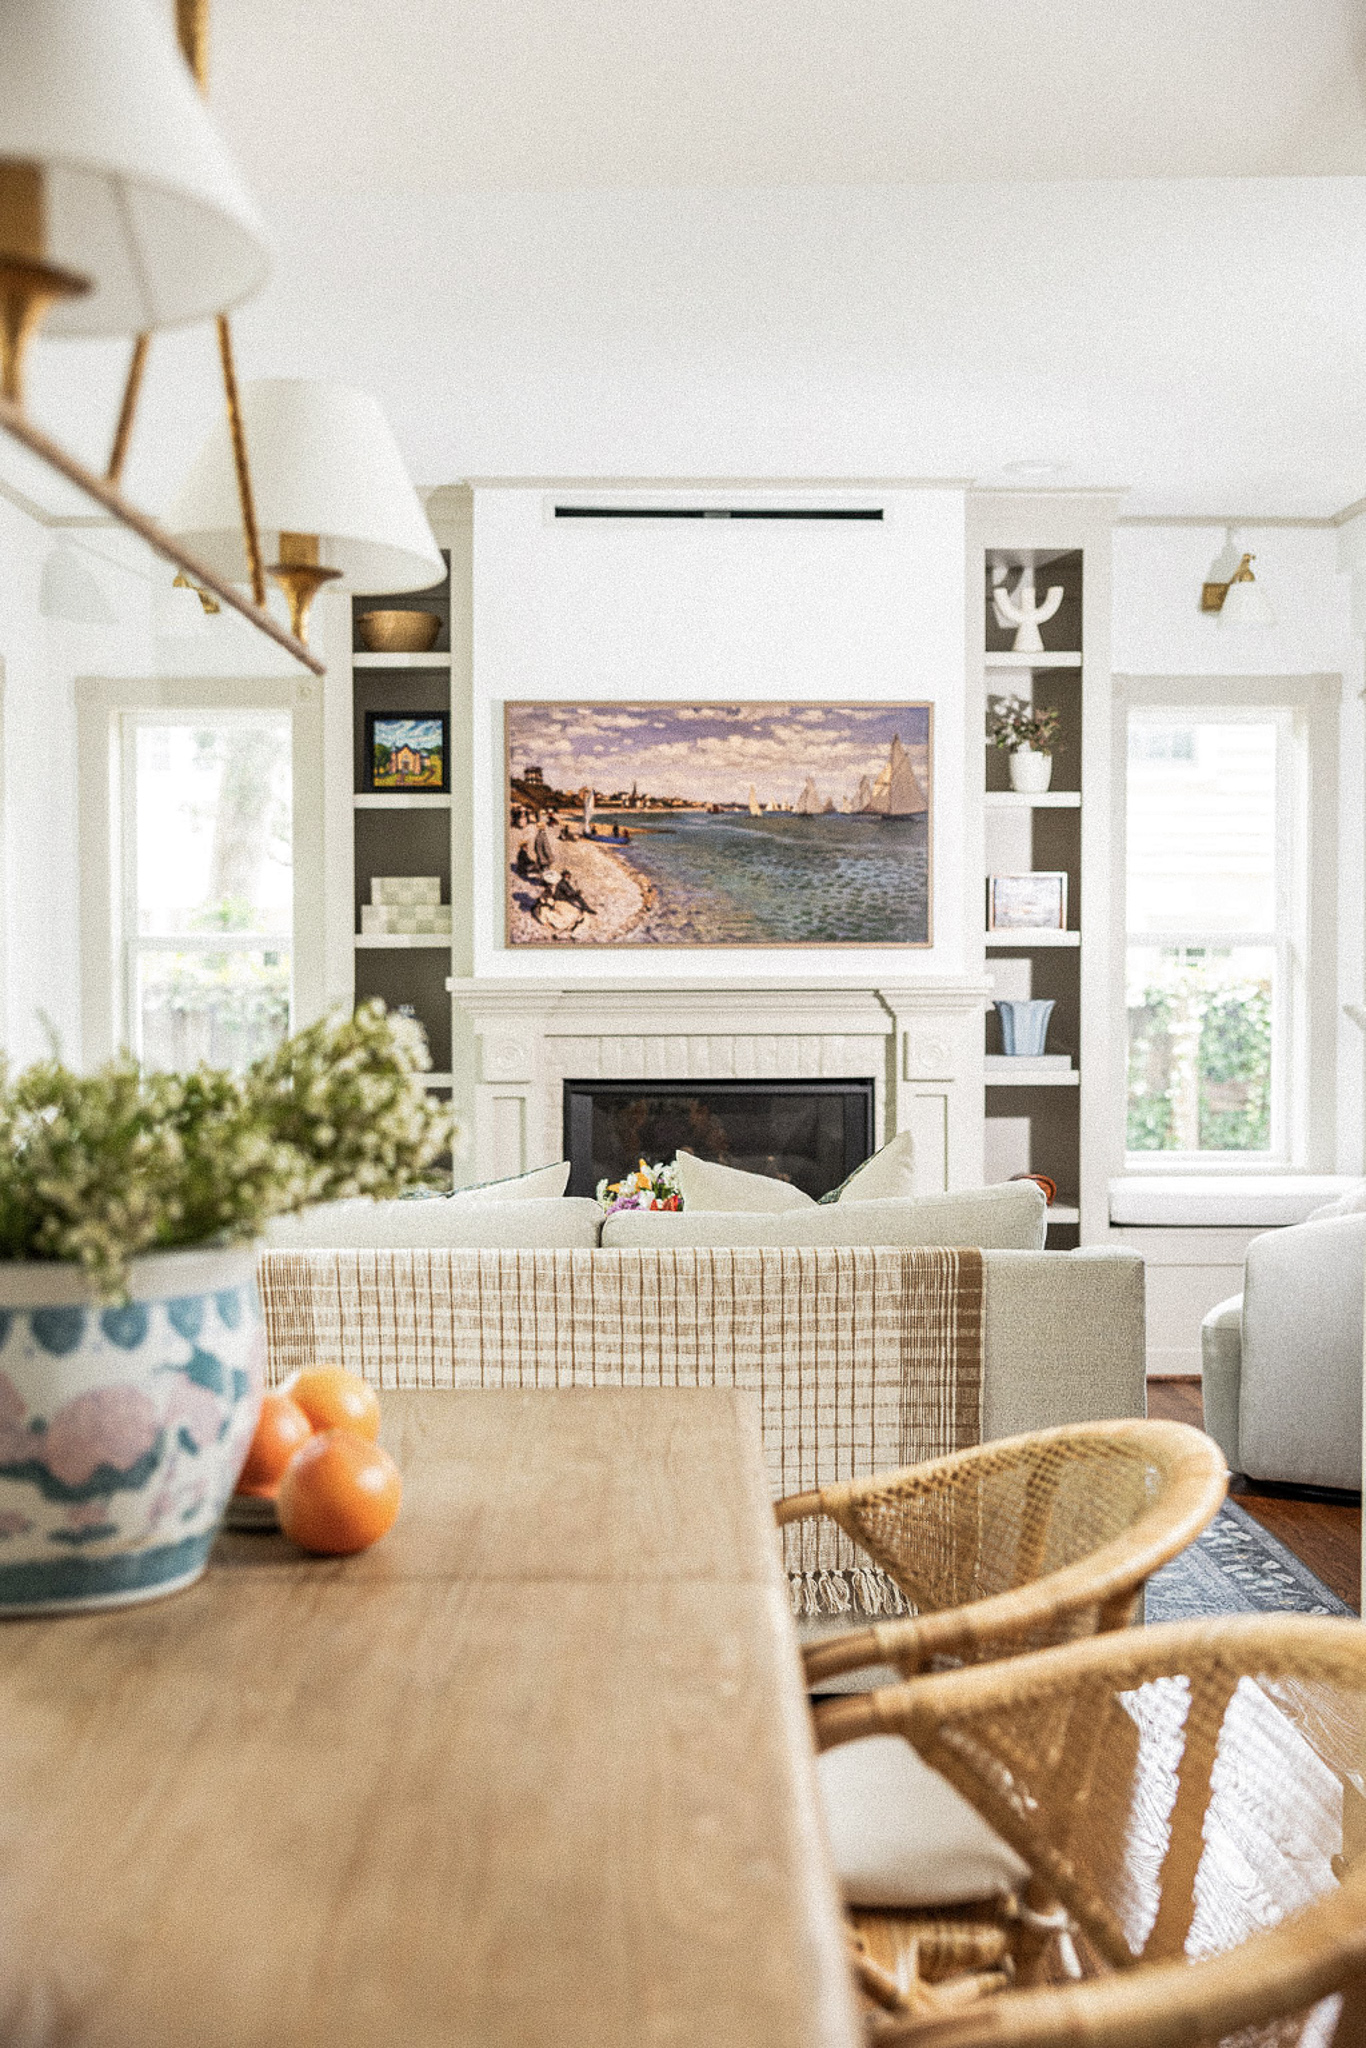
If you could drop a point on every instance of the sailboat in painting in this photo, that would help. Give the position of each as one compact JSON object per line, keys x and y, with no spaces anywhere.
{"x":897,"y":792}
{"x":754,"y":808}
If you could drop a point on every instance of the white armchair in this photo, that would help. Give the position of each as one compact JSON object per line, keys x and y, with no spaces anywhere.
{"x":1282,"y":1361}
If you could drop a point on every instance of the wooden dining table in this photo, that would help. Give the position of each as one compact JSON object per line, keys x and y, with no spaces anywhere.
{"x":534,"y":1769}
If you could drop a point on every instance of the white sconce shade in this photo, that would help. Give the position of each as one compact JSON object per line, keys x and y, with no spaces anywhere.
{"x":139,"y":194}
{"x":72,"y":592}
{"x":1245,"y":603}
{"x":323,"y":462}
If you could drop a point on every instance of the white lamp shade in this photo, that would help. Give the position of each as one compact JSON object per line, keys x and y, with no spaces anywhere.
{"x":142,"y":196}
{"x":324,"y":462}
{"x":1245,"y":605}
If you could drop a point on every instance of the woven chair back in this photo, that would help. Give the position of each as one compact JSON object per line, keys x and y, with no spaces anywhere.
{"x":1030,"y":1541}
{"x":1193,"y":1795}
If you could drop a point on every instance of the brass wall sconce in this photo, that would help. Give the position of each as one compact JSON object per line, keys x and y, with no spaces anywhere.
{"x":1239,"y":602}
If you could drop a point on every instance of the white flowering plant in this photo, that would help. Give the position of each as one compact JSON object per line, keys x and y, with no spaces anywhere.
{"x":98,"y":1168}
{"x":1012,"y":723}
{"x":649,"y":1187}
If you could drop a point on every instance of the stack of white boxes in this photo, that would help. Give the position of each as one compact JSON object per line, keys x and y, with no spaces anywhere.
{"x":405,"y":906}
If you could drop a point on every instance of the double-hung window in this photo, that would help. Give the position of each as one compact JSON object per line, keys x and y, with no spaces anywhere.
{"x":1218,"y":929}
{"x":202,"y":867}
{"x":208,"y":883}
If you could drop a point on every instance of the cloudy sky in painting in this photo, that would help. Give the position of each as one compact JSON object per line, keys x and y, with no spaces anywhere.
{"x":713,"y":752}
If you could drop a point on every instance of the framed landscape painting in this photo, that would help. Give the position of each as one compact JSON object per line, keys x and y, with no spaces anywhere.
{"x":714,"y":824}
{"x":406,"y":750}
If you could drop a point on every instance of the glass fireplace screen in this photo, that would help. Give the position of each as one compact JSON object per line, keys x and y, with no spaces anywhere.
{"x":812,"y":1133}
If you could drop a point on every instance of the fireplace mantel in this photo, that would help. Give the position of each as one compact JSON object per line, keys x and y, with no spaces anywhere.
{"x":920,"y":1040}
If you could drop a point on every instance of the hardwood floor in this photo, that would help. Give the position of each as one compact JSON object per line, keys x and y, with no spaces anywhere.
{"x":1324,"y":1534}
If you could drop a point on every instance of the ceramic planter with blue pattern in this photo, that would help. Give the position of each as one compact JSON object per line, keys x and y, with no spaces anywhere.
{"x":122,"y":1428}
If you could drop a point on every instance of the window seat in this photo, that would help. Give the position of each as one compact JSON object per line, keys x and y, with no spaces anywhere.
{"x":1207,"y":1201}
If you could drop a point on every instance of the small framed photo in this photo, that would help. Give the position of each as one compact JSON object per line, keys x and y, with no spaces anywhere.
{"x":407,"y":750}
{"x":1027,"y":903}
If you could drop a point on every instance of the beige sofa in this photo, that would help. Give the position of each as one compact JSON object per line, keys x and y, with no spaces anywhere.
{"x":1062,"y":1332}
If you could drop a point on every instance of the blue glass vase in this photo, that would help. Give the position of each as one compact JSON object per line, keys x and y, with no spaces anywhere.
{"x":1024,"y":1028}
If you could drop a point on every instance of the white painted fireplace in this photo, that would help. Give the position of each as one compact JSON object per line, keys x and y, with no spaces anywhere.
{"x":920,"y":1041}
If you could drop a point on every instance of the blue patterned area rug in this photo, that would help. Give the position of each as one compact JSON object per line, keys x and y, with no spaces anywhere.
{"x":1237,"y":1567}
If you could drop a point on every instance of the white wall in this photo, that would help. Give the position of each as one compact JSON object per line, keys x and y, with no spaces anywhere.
{"x":1159,"y":630}
{"x":682,"y":609}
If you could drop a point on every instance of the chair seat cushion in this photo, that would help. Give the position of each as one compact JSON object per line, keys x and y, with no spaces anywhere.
{"x":900,"y":1835}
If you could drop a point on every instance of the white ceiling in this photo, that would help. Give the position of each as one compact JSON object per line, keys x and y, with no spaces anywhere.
{"x":452,"y":95}
{"x":838,"y":238}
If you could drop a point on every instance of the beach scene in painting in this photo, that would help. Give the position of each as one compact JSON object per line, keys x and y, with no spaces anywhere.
{"x":718,"y":824}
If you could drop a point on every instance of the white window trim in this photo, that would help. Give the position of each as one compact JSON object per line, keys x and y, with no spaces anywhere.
{"x":101,"y":707}
{"x":1304,"y":1120}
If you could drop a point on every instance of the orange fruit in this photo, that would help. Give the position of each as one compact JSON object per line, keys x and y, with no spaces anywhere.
{"x":339,"y":1494}
{"x":333,"y":1398}
{"x":283,"y":1427}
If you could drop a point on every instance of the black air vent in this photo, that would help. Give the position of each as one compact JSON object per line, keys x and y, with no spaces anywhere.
{"x":704,"y":512}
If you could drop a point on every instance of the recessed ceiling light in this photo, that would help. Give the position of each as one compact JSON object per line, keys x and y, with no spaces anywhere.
{"x":1033,"y":466}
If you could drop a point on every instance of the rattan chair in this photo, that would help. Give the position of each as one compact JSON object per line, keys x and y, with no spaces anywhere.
{"x":1014,"y":1545}
{"x":1189,"y":1799}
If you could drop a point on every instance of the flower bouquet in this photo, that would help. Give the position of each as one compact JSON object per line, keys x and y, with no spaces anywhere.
{"x":649,"y":1187}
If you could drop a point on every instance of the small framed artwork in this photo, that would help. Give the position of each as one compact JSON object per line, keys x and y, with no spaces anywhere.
{"x":407,"y":750}
{"x":1027,"y":903}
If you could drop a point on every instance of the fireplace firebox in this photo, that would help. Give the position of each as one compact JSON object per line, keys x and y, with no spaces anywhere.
{"x":812,"y":1133}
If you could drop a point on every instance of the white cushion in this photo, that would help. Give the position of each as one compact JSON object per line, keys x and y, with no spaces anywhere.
{"x":705,"y":1185}
{"x":890,"y":1172}
{"x":900,"y":1835}
{"x":559,"y":1223}
{"x":1011,"y":1217}
{"x":1350,"y":1204}
{"x":1235,"y":1201}
{"x":536,"y":1186}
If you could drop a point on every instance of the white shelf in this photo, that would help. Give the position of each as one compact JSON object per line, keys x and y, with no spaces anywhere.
{"x":996,"y":1079}
{"x":438,"y":1080}
{"x":1045,"y":660}
{"x":400,"y":942}
{"x":1046,"y":800}
{"x":1015,"y":940}
{"x":362,"y":659}
{"x":1062,"y":1212}
{"x":403,"y":800}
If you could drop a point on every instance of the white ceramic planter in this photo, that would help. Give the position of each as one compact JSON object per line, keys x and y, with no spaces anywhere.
{"x":1030,"y":772}
{"x":122,"y":1428}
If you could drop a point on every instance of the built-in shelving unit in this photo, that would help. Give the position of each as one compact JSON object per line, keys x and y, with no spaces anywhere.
{"x":1032,"y":1116}
{"x":404,"y":832}
{"x":1052,"y":1120}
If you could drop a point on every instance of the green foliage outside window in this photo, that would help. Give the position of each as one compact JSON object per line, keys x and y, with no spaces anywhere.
{"x":1199,"y":1059}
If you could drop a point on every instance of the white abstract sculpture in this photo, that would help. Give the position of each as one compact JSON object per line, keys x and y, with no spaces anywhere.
{"x":1023,"y":611}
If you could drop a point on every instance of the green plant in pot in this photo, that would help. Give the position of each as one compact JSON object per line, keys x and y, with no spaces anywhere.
{"x":1030,"y":737}
{"x":130,"y":1330}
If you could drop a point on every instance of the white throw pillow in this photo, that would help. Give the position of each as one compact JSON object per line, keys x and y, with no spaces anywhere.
{"x":888,"y":1174}
{"x":536,"y":1186}
{"x":705,"y":1185}
{"x":900,"y":1835}
{"x":1012,"y":1217}
{"x":1350,"y":1204}
{"x":561,"y":1223}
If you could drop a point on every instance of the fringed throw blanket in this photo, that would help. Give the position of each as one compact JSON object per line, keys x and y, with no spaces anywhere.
{"x":862,"y":1359}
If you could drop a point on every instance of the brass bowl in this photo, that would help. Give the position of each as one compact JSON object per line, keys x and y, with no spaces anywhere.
{"x":398,"y":632}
